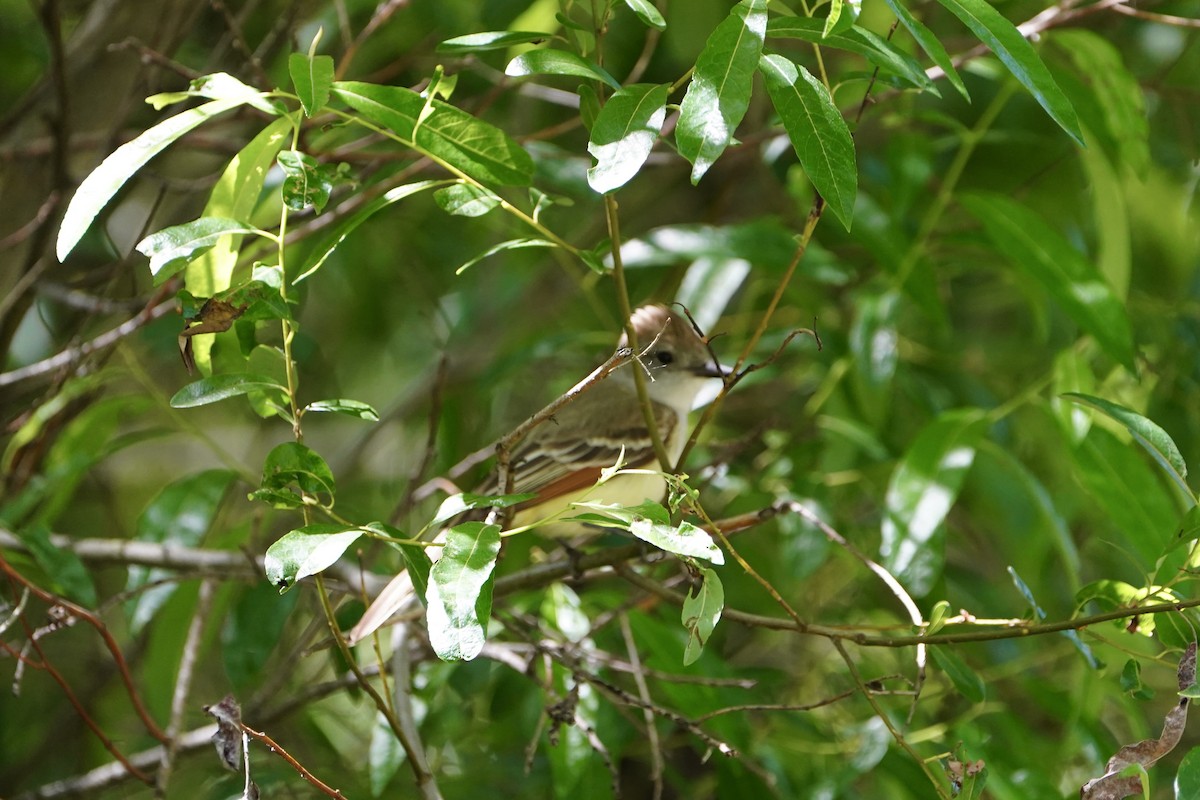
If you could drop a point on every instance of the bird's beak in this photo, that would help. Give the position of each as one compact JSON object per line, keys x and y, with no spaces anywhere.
{"x":712,"y":369}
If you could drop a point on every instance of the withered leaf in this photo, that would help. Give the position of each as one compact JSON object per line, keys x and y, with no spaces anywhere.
{"x":1112,"y":785}
{"x":228,"y":738}
{"x":215,"y":316}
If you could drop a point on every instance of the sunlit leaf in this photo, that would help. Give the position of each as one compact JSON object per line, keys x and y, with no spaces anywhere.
{"x":921,"y":492}
{"x":857,"y":40}
{"x":624,"y":134}
{"x":221,"y":387}
{"x":450,"y":135}
{"x":457,"y":623}
{"x":817,"y":131}
{"x":312,"y":75}
{"x":465,"y":200}
{"x":719,"y":92}
{"x":511,"y":244}
{"x":172,"y":249}
{"x":104,"y":181}
{"x":306,"y":551}
{"x":549,"y":61}
{"x":351,"y":408}
{"x":647,"y":13}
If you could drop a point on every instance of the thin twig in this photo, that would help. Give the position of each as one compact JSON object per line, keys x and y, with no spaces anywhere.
{"x":639,"y":679}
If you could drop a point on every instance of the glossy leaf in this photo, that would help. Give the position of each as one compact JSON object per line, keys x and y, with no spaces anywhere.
{"x":1157,"y":442}
{"x":1003,"y":38}
{"x":456,"y":504}
{"x":647,"y":13}
{"x":930,"y":44}
{"x":921,"y":492}
{"x":860,"y":41}
{"x":457,"y":623}
{"x":719,"y":92}
{"x":624,"y":134}
{"x":491,"y":40}
{"x":294,"y":464}
{"x":172,"y":249}
{"x":316,"y":259}
{"x":817,"y":131}
{"x":306,"y":551}
{"x":651,"y":523}
{"x":1025,"y":238}
{"x":351,"y":408}
{"x":449,"y":135}
{"x":99,"y":187}
{"x":235,"y":196}
{"x":549,"y":61}
{"x":416,"y":557}
{"x":701,"y":611}
{"x":307,"y":182}
{"x":221,"y":387}
{"x":312,"y":75}
{"x":465,"y":200}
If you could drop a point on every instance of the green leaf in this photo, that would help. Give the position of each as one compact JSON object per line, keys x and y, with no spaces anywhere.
{"x":651,"y":523}
{"x":172,"y":249}
{"x":511,"y":244}
{"x":921,"y":492}
{"x":856,"y":40}
{"x":181,"y":514}
{"x":647,"y":13}
{"x":1025,"y":238}
{"x":235,"y":196}
{"x":223,"y":86}
{"x":965,"y":680}
{"x":557,"y":62}
{"x":1003,"y":38}
{"x":465,"y":200}
{"x":307,"y":182}
{"x":624,"y":134}
{"x":306,"y":551}
{"x":456,"y":504}
{"x":719,"y":92}
{"x":491,"y":40}
{"x":449,"y":135}
{"x":351,"y":408}
{"x":220,"y":387}
{"x":1131,"y":681}
{"x":764,"y":243}
{"x":104,"y":181}
{"x":930,"y":44}
{"x":312,"y":76}
{"x":1039,"y":614}
{"x":457,"y":625}
{"x":1187,"y":779}
{"x":416,"y":557}
{"x":292,"y":463}
{"x":701,"y":611}
{"x":818,"y":133}
{"x":1157,"y":442}
{"x":316,"y":259}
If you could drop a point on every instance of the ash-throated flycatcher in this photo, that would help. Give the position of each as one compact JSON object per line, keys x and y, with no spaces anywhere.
{"x":561,"y":459}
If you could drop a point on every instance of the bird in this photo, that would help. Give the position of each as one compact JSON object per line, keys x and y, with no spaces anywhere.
{"x":561,"y":460}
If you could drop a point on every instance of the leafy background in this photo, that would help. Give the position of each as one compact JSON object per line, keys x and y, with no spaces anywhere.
{"x":992,"y":265}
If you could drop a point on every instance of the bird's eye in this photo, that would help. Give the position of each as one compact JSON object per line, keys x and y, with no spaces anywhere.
{"x":664,"y":356}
